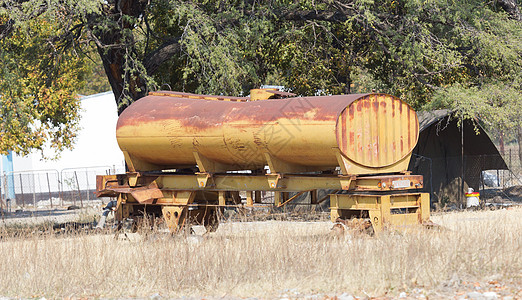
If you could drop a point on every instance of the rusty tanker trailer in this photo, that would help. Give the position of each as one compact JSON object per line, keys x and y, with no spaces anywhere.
{"x":189,"y":156}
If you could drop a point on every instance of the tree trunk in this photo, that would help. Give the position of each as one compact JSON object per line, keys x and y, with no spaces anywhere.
{"x":125,"y":86}
{"x":114,"y":49}
{"x":112,"y":63}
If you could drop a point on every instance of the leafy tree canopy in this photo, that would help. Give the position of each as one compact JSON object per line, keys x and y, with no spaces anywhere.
{"x":38,"y":83}
{"x":464,"y":55}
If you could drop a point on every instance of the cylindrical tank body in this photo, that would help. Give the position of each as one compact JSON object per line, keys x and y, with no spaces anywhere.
{"x":165,"y":131}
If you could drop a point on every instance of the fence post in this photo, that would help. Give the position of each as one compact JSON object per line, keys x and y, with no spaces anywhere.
{"x":22,"y":190}
{"x":510,"y":168}
{"x":49,"y":188}
{"x":462,"y":170}
{"x":34,"y":194}
{"x":87,"y":180}
{"x":79,"y":192}
{"x":60,"y":186}
{"x":2,"y":204}
{"x":6,"y":195}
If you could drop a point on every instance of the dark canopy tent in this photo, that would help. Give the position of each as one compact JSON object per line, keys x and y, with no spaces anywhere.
{"x":438,"y":158}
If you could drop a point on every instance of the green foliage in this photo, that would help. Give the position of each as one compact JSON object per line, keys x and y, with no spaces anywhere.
{"x":489,"y":48}
{"x":463,"y":55}
{"x":211,"y":57}
{"x":496,"y":105}
{"x":95,"y":79}
{"x":38,"y":85}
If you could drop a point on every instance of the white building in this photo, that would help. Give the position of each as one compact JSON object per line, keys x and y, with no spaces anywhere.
{"x":95,"y":151}
{"x":95,"y":145}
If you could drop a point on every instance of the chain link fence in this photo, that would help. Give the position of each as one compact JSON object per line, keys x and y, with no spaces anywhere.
{"x":507,"y":184}
{"x":52,"y":188}
{"x":513,"y":159}
{"x":31,"y":187}
{"x":442,"y":179}
{"x":486,"y":174}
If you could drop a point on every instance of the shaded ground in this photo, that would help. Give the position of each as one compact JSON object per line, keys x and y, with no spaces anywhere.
{"x":42,"y":215}
{"x":510,"y":196}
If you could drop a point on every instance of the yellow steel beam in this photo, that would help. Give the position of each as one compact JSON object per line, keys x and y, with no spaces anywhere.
{"x":291,"y":198}
{"x":288,"y":183}
{"x":278,"y":198}
{"x":222,"y":198}
{"x":250,"y":198}
{"x":109,"y":185}
{"x":384,"y":210}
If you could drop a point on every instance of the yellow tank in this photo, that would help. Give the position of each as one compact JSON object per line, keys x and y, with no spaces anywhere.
{"x":361,"y":134}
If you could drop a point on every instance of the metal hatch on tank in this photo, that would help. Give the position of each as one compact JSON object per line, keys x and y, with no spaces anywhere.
{"x":306,"y":143}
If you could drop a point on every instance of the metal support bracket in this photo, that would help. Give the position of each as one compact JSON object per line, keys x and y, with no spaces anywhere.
{"x":273,"y":180}
{"x":340,"y":160}
{"x":204,"y":180}
{"x":207,"y":165}
{"x":133,"y":178}
{"x":121,"y":211}
{"x":346,"y":181}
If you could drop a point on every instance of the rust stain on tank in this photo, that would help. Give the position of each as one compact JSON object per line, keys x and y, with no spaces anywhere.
{"x":205,"y":114}
{"x":409,"y":128}
{"x":343,"y":131}
{"x":248,"y":129}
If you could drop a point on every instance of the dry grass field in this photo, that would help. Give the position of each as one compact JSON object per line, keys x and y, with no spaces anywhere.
{"x":475,"y":253}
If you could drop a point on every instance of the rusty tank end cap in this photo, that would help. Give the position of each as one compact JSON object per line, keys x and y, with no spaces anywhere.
{"x":377,"y":130}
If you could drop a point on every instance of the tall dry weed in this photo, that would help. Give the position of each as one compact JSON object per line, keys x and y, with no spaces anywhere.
{"x":262,"y":259}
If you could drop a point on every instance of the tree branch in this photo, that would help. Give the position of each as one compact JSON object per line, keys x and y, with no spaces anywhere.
{"x":154,"y":60}
{"x":6,"y":28}
{"x":320,"y":15}
{"x":511,"y":7}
